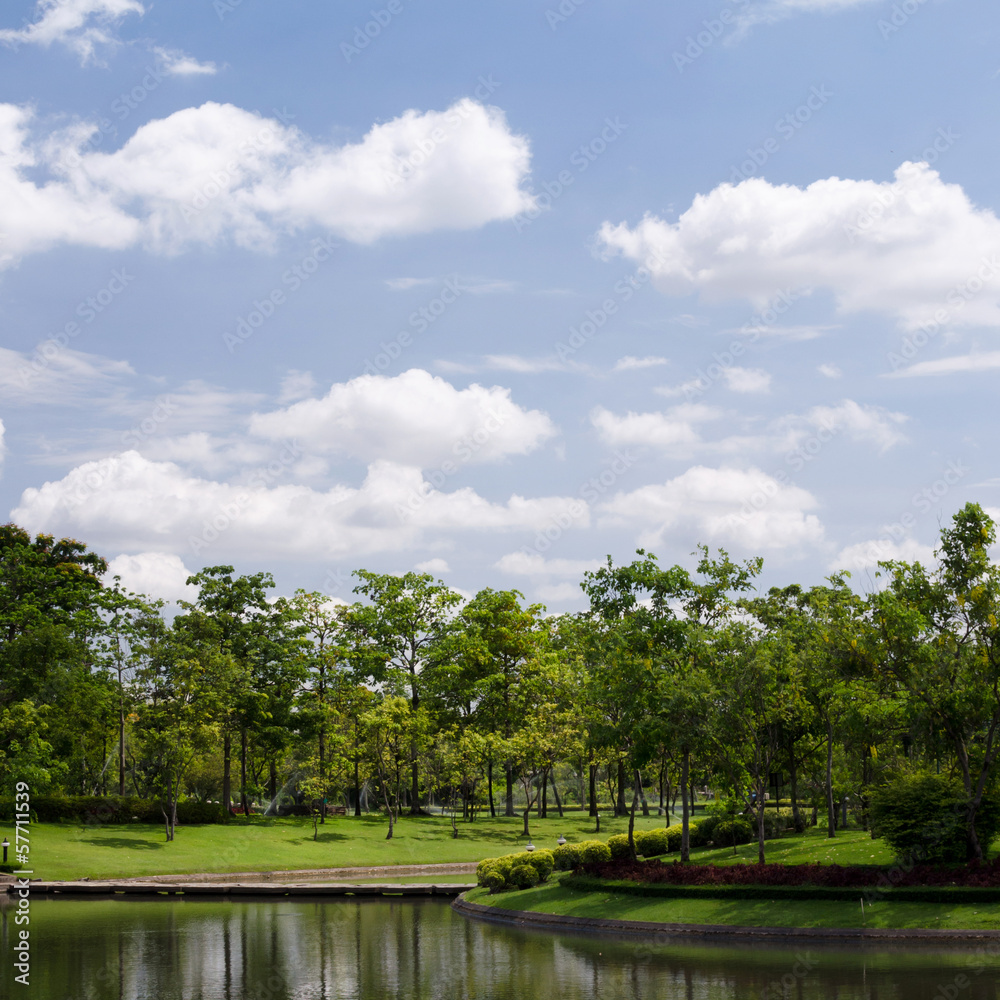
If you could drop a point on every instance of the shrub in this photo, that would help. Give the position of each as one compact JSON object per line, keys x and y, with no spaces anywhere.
{"x":592,"y":851}
{"x":566,"y":857}
{"x":484,"y":866}
{"x":922,"y":817}
{"x":618,"y":846}
{"x":701,"y":833}
{"x":97,"y":810}
{"x":674,"y":837}
{"x":523,"y":876}
{"x":651,"y":843}
{"x":730,"y":832}
{"x":493,"y":881}
{"x":543,"y":862}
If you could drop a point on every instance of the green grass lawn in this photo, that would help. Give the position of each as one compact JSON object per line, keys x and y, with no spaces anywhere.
{"x":67,"y":851}
{"x":849,"y":847}
{"x":553,"y":898}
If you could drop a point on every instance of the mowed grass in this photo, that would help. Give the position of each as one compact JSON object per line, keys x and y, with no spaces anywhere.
{"x":553,"y":898}
{"x":849,"y":847}
{"x":62,"y":851}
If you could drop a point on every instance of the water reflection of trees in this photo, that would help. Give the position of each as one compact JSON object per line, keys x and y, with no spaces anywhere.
{"x":203,"y":950}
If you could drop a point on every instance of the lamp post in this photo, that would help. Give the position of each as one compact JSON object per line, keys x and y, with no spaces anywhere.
{"x":530,"y":846}
{"x":598,"y":818}
{"x":561,"y":840}
{"x":5,"y":845}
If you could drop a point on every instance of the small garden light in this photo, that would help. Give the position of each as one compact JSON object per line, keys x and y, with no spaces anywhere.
{"x":530,"y":846}
{"x":561,"y":840}
{"x":5,"y":845}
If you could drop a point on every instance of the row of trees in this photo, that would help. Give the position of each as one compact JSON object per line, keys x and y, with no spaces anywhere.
{"x":669,"y":680}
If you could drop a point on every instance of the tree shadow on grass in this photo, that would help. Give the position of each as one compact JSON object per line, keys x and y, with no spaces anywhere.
{"x":323,"y":838}
{"x":124,"y":842}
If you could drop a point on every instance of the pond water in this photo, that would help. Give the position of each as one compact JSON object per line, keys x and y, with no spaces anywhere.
{"x":381,"y":948}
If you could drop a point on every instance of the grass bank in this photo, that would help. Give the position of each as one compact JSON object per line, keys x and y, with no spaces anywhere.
{"x":553,"y":898}
{"x":67,"y":851}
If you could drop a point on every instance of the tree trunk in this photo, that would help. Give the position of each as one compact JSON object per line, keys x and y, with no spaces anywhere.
{"x":685,"y":824}
{"x":227,"y":778}
{"x":659,"y":811}
{"x":555,"y":792}
{"x":631,"y":817}
{"x":527,"y":810}
{"x":509,"y":798}
{"x":620,"y":809}
{"x":592,"y":790}
{"x":760,"y":821}
{"x":121,"y":748}
{"x":489,"y":784}
{"x":272,"y":780}
{"x":797,"y":821}
{"x":831,"y":812}
{"x":243,"y":771}
{"x":642,"y":795}
{"x":543,"y":799}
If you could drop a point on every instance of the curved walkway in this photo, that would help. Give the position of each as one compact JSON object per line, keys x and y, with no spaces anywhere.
{"x":530,"y":920}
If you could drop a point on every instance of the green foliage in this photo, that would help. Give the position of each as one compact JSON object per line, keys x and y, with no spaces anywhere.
{"x":566,"y":856}
{"x":98,"y":810}
{"x":523,"y":876}
{"x":674,"y":834}
{"x":593,"y":850}
{"x":652,"y":843}
{"x":618,"y":846}
{"x":493,"y":880}
{"x":922,"y":817}
{"x":702,"y":833}
{"x":729,"y":832}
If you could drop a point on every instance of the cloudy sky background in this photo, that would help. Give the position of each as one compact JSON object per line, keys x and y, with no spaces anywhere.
{"x":495,"y":290}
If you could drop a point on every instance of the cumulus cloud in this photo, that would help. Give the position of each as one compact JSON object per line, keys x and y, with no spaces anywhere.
{"x":829,"y":370}
{"x":218,"y":172}
{"x":433,"y":566}
{"x":533,"y":564}
{"x":86,"y":27}
{"x":414,"y":418}
{"x":741,"y":507}
{"x":675,"y":430}
{"x":138,"y":505}
{"x":914,"y":248}
{"x":155,"y":574}
{"x":865,"y":556}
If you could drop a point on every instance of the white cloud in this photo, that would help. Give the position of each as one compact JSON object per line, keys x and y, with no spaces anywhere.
{"x":415,"y":417}
{"x":910,"y":248}
{"x":3,"y":445}
{"x":433,"y":566}
{"x":872,"y":424}
{"x":743,"y":507}
{"x":155,"y":574}
{"x":672,"y":430}
{"x":747,"y":380}
{"x":532,"y":564}
{"x":982,"y":362}
{"x":54,"y":374}
{"x":134,"y":504}
{"x":219,"y":172}
{"x":630,"y":363}
{"x":829,"y":370}
{"x":84,"y":26}
{"x":296,"y":385}
{"x":174,"y":62}
{"x":865,"y":556}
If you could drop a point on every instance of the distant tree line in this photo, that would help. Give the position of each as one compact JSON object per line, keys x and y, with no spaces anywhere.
{"x":669,"y":681}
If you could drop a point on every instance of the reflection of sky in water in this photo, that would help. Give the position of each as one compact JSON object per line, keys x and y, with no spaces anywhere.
{"x":376,"y":948}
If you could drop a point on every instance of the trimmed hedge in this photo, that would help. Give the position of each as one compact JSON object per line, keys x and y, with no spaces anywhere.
{"x":95,"y":810}
{"x":651,"y":843}
{"x":618,"y":846}
{"x":515,"y":871}
{"x":567,"y":856}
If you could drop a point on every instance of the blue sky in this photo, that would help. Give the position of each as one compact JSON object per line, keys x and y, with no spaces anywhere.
{"x":495,"y":290}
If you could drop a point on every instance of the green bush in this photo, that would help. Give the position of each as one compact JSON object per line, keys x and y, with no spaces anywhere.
{"x":651,"y":843}
{"x":523,"y":876}
{"x":674,"y":834}
{"x":484,"y":866}
{"x":544,"y":862}
{"x":493,"y":881}
{"x":730,"y":832}
{"x":592,"y":851}
{"x":566,"y":857}
{"x":922,"y":817}
{"x":618,"y":846}
{"x":701,"y":833}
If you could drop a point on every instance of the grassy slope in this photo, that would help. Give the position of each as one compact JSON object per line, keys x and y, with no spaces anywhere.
{"x":65,"y":851}
{"x":552,"y":898}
